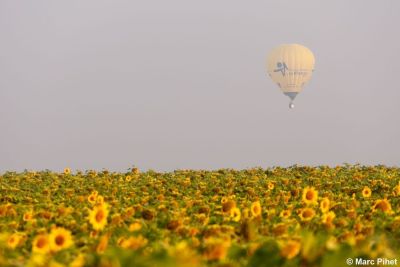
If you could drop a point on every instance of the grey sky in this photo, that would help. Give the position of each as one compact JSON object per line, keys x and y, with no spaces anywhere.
{"x":183,"y":84}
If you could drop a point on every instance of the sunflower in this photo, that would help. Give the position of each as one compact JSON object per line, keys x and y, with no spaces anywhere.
{"x":366,"y":192}
{"x":325,"y":205}
{"x":174,"y":225}
{"x":327,"y":218}
{"x":14,"y":240}
{"x":235,"y":214}
{"x":98,"y":216}
{"x":28,"y":216}
{"x":60,"y":239}
{"x":383,"y":205}
{"x":92,"y":198}
{"x":271,"y":186}
{"x":290,"y":249}
{"x":310,"y":195}
{"x":228,"y":206}
{"x":255,"y":209}
{"x":148,"y":214}
{"x":67,"y":171}
{"x":135,"y":170}
{"x":129,"y":212}
{"x":307,"y":214}
{"x":41,"y":244}
{"x":285,"y":214}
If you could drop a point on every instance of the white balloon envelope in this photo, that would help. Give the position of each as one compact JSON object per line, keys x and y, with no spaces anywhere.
{"x":290,"y":66}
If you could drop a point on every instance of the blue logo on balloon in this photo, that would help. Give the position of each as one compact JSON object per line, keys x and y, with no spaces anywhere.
{"x":281,"y":66}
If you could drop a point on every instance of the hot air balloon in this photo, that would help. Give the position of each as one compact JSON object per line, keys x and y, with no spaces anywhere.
{"x":290,"y":66}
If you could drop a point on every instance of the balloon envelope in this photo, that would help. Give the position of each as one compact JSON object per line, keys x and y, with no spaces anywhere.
{"x":290,"y":66}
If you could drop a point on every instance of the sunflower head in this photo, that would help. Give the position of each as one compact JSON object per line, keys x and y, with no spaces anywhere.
{"x":28,"y":216}
{"x":14,"y":240}
{"x":129,"y":212}
{"x":310,"y":196}
{"x":228,"y":206}
{"x":307,"y":214}
{"x":60,"y":239}
{"x":135,"y":170}
{"x":285,"y":214}
{"x":382,"y":205}
{"x":41,"y":244}
{"x":271,"y":186}
{"x":67,"y":171}
{"x":366,"y":192}
{"x":92,"y":198}
{"x":325,"y":205}
{"x":98,"y":216}
{"x":255,"y":209}
{"x":235,"y":214}
{"x":174,"y":224}
{"x":327,"y":218}
{"x":148,"y":214}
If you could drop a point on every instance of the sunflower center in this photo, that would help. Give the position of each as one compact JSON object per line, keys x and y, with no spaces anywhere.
{"x":309,"y":195}
{"x":59,"y":240}
{"x":307,"y":214}
{"x":383,"y":206}
{"x":99,"y":216}
{"x":41,"y":243}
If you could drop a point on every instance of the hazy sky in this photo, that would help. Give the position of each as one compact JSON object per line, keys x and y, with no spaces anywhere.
{"x":183,"y":84}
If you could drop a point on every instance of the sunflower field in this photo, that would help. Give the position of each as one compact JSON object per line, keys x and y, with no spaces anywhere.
{"x":295,"y":216}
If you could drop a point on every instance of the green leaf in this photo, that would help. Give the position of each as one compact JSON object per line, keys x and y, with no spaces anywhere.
{"x":267,"y":256}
